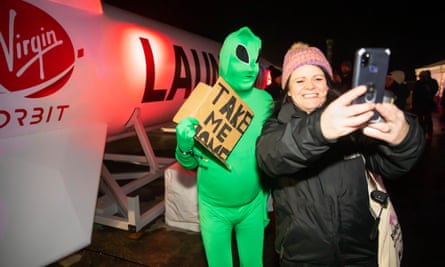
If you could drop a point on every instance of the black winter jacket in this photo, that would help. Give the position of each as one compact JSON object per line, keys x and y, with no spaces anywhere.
{"x":320,"y":192}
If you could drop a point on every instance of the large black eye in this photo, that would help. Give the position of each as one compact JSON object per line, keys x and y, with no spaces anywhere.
{"x":242,"y":54}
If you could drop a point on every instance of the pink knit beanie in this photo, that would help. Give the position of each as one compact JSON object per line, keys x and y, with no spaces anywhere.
{"x":301,"y":54}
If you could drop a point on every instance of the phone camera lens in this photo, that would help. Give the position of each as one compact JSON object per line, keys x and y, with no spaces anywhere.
{"x":364,"y":60}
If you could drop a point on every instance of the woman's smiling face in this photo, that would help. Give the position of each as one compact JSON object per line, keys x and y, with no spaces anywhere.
{"x":308,"y":87}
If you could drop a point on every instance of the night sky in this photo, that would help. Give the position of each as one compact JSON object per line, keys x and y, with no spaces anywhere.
{"x":415,"y":33}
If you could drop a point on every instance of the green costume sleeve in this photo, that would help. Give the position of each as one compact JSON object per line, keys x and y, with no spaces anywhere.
{"x":185,"y":132}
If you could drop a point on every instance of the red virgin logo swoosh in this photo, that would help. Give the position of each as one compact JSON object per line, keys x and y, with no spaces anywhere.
{"x":36,"y":54}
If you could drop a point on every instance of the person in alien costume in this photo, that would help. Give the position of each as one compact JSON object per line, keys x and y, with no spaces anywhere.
{"x":231,"y":198}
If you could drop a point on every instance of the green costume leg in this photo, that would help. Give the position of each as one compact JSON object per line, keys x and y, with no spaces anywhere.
{"x":250,"y":232}
{"x":248,"y":221}
{"x":216,"y":232}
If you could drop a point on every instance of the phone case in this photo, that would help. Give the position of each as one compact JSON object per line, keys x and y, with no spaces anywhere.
{"x":371,"y":69}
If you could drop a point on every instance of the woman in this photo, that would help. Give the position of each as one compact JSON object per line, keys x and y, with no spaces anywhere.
{"x":314,"y":149}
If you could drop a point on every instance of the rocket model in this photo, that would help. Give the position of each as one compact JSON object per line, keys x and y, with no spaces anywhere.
{"x":75,"y":74}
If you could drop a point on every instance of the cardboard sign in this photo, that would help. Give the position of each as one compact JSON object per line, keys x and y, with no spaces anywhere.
{"x":223,"y":117}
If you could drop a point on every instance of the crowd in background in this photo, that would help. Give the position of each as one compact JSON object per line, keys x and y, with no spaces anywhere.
{"x":422,"y":97}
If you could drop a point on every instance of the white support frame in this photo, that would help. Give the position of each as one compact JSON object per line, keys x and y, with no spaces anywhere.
{"x":117,"y":207}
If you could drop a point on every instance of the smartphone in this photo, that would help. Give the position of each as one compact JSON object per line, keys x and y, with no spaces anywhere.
{"x":371,"y":69}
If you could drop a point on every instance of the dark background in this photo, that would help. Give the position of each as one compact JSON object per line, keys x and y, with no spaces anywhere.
{"x":413,"y":31}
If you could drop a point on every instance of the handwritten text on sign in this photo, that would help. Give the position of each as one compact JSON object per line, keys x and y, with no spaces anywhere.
{"x":222,"y":114}
{"x":227,"y":121}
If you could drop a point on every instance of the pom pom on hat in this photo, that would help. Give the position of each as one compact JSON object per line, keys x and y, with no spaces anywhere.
{"x":302,"y":54}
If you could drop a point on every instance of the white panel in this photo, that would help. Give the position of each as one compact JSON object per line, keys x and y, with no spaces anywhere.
{"x":48,"y":191}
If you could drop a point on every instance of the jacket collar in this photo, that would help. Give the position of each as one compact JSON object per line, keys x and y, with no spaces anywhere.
{"x":289,"y":110}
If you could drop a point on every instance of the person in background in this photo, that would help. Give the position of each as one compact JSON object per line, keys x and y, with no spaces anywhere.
{"x":316,"y":150}
{"x":274,"y":88}
{"x":343,"y":79}
{"x":395,"y":82}
{"x":442,"y":110}
{"x":425,"y":89}
{"x":231,"y":199}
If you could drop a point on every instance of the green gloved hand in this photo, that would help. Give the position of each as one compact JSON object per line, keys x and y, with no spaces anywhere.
{"x":185,"y":131}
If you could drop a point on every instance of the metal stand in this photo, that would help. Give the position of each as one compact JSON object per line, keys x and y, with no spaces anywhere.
{"x":117,"y":207}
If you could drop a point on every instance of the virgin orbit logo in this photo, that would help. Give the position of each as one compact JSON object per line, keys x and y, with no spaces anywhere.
{"x":36,"y":54}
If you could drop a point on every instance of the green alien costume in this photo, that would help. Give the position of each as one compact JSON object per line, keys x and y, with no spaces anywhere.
{"x":231,"y":198}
